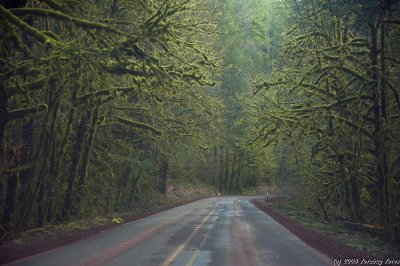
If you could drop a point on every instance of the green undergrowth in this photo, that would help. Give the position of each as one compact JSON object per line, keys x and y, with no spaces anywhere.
{"x":339,"y":229}
{"x":253,"y":191}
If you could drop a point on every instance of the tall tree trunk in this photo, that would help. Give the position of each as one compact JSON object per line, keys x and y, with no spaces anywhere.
{"x":215,"y":168}
{"x":380,"y":151}
{"x":341,"y":153}
{"x":75,"y":157}
{"x":38,"y":175}
{"x":226,"y":175}
{"x":30,"y":187}
{"x":383,"y":73}
{"x":347,"y":193}
{"x":232,"y":173}
{"x":11,"y":181}
{"x":221,"y":168}
{"x":10,"y":214}
{"x":55,"y":169}
{"x":355,"y":189}
{"x":47,"y":205}
{"x":3,"y":124}
{"x":383,"y":99}
{"x":10,"y":210}
{"x":40,"y":204}
{"x":135,"y":180}
{"x":87,"y":151}
{"x":44,"y":176}
{"x":162,"y":187}
{"x":238,"y":179}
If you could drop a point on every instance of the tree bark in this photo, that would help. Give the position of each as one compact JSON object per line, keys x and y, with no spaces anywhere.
{"x":55,"y":169}
{"x":238,"y":179}
{"x":10,"y":211}
{"x":75,"y":157}
{"x":3,"y":124}
{"x":87,"y":151}
{"x":383,"y":74}
{"x":347,"y":193}
{"x":232,"y":173}
{"x":221,"y":169}
{"x":162,"y":187}
{"x":226,"y":175}
{"x":380,"y":151}
{"x":49,"y":149}
{"x":215,"y":169}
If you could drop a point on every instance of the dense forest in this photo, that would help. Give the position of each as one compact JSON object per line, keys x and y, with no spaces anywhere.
{"x":105,"y":102}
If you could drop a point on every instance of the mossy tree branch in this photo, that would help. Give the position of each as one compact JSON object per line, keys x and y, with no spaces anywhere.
{"x":23,"y":112}
{"x":135,"y":124}
{"x":40,"y":36}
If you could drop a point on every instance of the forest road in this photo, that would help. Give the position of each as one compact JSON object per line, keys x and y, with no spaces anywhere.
{"x":213,"y":231}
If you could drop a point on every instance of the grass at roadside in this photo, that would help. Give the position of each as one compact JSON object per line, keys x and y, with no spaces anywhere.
{"x":341,"y":230}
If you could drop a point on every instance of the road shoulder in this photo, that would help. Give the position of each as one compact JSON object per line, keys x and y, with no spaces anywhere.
{"x":43,"y":239}
{"x":319,"y":240}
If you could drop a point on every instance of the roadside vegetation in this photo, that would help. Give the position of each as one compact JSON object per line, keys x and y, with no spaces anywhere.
{"x":361,"y":237}
{"x":329,"y":107}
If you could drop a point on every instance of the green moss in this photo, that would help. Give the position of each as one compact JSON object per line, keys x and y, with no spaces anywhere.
{"x":136,"y":124}
{"x":117,"y":220}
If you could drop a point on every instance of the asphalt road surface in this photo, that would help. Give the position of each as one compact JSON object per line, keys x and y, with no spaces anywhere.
{"x":213,"y":231}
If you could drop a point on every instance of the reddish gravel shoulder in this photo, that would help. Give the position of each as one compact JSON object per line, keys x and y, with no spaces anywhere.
{"x":317,"y":240}
{"x":10,"y":252}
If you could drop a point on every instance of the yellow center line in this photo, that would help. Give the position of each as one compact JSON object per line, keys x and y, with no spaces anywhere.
{"x":122,"y":247}
{"x":197,"y":252}
{"x":182,"y":246}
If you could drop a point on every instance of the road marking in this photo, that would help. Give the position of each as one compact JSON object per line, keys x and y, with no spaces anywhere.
{"x":120,"y":248}
{"x":197,"y":252}
{"x":182,"y":246}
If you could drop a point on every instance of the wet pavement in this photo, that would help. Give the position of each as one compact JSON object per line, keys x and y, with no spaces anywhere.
{"x":213,"y":231}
